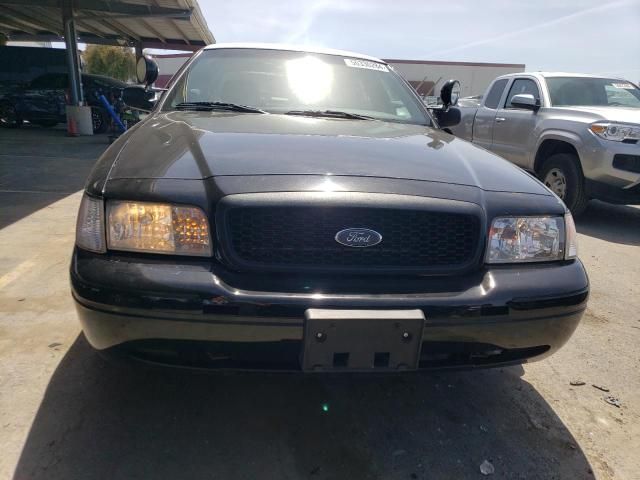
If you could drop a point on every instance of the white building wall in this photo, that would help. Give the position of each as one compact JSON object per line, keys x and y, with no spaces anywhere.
{"x":19,"y":43}
{"x":168,"y":65}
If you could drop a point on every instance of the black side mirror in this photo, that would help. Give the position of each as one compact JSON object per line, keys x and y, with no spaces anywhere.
{"x":146,"y":71}
{"x":139,"y":98}
{"x":526,"y":101}
{"x":449,"y":117}
{"x":450,"y":93}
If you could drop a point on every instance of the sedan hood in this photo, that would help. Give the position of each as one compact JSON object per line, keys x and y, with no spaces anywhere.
{"x":198,"y":145}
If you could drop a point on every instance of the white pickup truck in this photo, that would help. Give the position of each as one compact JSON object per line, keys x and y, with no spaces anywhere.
{"x":580,"y":134}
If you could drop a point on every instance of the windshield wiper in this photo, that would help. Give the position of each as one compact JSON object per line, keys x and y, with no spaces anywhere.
{"x":329,"y":114}
{"x":208,"y":106}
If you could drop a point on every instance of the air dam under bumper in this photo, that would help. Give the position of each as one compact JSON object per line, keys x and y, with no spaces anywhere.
{"x":499,"y":315}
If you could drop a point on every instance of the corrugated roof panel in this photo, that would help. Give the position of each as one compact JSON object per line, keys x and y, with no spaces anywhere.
{"x":37,"y":20}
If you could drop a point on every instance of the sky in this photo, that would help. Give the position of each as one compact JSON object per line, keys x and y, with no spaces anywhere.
{"x":587,"y":36}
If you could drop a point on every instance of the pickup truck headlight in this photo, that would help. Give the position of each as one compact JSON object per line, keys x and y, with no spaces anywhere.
{"x":615,"y":131}
{"x":157,"y":228}
{"x":531,"y":239}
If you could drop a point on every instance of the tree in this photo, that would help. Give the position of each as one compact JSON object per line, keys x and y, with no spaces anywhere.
{"x":116,"y":62}
{"x":3,"y":40}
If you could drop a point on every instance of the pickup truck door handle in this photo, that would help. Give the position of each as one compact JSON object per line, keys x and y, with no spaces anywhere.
{"x":500,"y":119}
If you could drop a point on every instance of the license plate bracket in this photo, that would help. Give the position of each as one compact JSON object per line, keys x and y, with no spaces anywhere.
{"x":362,"y":340}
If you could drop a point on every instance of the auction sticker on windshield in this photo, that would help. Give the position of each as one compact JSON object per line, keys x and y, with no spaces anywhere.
{"x":626,"y":86}
{"x":356,"y":63}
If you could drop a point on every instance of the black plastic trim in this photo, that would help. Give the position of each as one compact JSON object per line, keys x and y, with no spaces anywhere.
{"x":629,"y":163}
{"x":230,"y":258}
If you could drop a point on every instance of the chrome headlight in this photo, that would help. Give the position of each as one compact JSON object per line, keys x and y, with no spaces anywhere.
{"x":157,"y":228}
{"x":90,"y":225}
{"x":615,"y":131}
{"x":531,"y":239}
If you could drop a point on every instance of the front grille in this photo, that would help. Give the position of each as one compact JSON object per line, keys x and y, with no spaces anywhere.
{"x":304,"y":237}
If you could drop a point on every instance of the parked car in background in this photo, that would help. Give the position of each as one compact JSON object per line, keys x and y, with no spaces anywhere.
{"x":301,"y":209}
{"x":580,"y":134}
{"x":43,"y":100}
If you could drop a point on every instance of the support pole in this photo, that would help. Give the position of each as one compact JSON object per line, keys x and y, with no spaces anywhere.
{"x":73,"y":60}
{"x":138,"y":50}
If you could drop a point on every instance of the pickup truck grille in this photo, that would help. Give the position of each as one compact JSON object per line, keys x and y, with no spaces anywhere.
{"x":303,"y":238}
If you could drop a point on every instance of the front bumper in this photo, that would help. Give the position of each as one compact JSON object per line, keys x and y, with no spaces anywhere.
{"x":605,"y":181}
{"x":495,"y":316}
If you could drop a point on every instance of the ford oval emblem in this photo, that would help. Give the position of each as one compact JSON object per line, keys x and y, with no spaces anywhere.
{"x":358,"y":237}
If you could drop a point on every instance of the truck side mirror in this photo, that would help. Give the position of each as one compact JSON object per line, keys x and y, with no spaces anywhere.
{"x":450,"y":93}
{"x":448,"y":118}
{"x":526,"y":101}
{"x":146,"y":70}
{"x":139,"y":98}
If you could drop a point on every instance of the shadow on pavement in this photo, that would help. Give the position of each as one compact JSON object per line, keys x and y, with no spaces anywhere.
{"x":612,"y":223}
{"x":100,"y":420}
{"x":39,"y":166}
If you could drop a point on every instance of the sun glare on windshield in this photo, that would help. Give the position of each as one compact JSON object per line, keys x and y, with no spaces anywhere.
{"x":310,"y":79}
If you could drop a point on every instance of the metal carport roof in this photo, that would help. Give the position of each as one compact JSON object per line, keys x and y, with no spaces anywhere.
{"x":165,"y":24}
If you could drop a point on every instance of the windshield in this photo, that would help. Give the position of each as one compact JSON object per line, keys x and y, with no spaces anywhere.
{"x":285,"y":81}
{"x":592,"y":92}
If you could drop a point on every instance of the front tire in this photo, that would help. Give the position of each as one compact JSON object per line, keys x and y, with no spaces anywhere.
{"x":561,"y":173}
{"x":9,"y":117}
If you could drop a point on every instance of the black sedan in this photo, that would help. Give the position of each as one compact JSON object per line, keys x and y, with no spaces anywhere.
{"x":43,"y":101}
{"x":302,"y":210}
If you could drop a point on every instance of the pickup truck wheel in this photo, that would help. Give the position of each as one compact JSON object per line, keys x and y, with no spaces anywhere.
{"x":561,"y":173}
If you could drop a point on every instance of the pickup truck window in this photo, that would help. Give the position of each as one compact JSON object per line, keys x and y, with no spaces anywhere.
{"x":520,"y":86}
{"x":279,"y":81}
{"x":495,"y":94}
{"x":592,"y":92}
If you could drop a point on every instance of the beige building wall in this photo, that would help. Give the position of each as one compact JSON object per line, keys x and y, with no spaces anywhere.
{"x":474,"y":77}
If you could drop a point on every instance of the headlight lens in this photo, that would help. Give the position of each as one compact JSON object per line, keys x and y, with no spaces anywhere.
{"x":90,"y":225}
{"x":157,"y":228}
{"x":531,"y":239}
{"x":615,"y":131}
